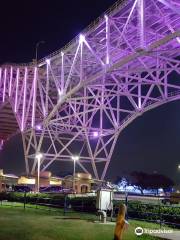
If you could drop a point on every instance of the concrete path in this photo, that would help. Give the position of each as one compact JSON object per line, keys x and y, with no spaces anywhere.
{"x":170,"y":236}
{"x":175,"y":235}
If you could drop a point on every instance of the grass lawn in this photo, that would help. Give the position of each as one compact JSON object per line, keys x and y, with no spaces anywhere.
{"x":33,"y":224}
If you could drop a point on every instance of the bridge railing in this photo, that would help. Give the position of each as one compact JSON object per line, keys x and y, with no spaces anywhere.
{"x":87,"y":30}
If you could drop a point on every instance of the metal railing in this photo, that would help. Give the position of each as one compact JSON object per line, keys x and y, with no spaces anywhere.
{"x":159,"y":213}
{"x":92,"y":26}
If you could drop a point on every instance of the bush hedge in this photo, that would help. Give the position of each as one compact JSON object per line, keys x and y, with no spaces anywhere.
{"x":152,"y":212}
{"x":136,"y":210}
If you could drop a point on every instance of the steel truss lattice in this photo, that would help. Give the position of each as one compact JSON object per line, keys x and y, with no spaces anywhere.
{"x":79,"y":99}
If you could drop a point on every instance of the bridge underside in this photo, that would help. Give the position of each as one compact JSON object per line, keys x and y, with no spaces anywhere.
{"x":8,"y":122}
{"x":79,"y":99}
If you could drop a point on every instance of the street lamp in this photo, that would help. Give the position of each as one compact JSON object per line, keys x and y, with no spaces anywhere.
{"x":37,"y":46}
{"x":74,"y":158}
{"x":38,"y":157}
{"x":179,"y":167}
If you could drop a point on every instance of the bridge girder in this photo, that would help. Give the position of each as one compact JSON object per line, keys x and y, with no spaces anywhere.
{"x":78,"y":100}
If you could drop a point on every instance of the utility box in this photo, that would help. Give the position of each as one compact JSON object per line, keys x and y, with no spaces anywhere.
{"x":104,"y":200}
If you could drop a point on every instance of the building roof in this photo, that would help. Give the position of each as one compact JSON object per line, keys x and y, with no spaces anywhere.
{"x":10,"y":176}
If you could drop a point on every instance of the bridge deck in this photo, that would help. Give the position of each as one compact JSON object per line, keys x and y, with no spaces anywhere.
{"x":8,"y":122}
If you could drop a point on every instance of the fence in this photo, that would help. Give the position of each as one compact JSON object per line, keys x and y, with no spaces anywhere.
{"x":158,"y":213}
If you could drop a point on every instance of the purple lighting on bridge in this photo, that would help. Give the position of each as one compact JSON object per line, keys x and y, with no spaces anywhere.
{"x":38,"y":127}
{"x":48,"y":61}
{"x":83,"y":95}
{"x":95,"y":134}
{"x":17,"y":87}
{"x":4,"y":89}
{"x":81,"y":38}
{"x":1,"y":144}
{"x":62,"y":70}
{"x":24,"y":99}
{"x":60,"y":92}
{"x":34,"y":97}
{"x":107,"y":38}
{"x":10,"y":83}
{"x":0,"y":75}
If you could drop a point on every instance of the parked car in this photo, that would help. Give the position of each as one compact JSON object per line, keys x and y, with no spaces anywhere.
{"x":55,"y":189}
{"x":173,"y":198}
{"x":22,"y":188}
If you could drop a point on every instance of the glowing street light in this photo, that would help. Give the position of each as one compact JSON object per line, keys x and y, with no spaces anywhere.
{"x":39,"y":156}
{"x":179,"y":167}
{"x":75,"y":159}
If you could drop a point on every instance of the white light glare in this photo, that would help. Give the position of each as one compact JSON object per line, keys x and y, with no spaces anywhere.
{"x":39,"y":155}
{"x":75,"y":158}
{"x":95,"y":134}
{"x":48,"y":61}
{"x":81,"y":38}
{"x":60,"y":92}
{"x":38,"y":127}
{"x":106,"y":17}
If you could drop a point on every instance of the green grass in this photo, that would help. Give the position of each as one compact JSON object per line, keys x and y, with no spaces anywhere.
{"x":34,"y":224}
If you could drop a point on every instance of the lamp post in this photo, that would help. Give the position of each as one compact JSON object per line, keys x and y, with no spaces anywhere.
{"x":37,"y":46}
{"x":38,"y":157}
{"x":74,"y":158}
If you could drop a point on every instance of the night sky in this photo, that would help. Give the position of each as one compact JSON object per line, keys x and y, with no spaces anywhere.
{"x":151,"y":143}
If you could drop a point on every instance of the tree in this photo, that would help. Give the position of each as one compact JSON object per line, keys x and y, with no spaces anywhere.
{"x":157,"y":181}
{"x":139,"y":179}
{"x":150,"y":181}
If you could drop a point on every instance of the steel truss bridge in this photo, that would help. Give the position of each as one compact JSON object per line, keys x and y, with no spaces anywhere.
{"x":79,"y":99}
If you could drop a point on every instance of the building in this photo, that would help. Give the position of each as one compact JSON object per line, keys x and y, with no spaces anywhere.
{"x":7,"y":180}
{"x":45,"y":180}
{"x":81,"y":183}
{"x":23,"y":180}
